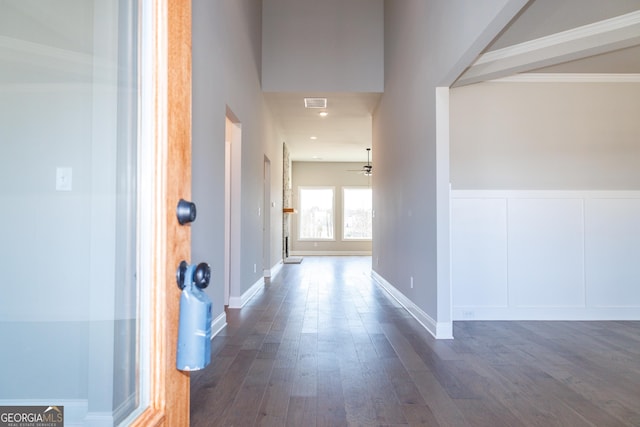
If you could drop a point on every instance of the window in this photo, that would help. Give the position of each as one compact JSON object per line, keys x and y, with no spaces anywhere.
{"x":316,"y":213}
{"x":356,"y":224}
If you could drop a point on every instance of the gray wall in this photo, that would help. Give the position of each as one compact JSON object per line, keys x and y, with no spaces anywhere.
{"x":226,"y":75}
{"x":328,"y":45}
{"x":327,"y":174}
{"x":427,"y":44}
{"x":546,"y":136}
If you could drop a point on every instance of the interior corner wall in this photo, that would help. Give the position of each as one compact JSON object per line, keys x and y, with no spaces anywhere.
{"x":226,"y":74}
{"x":426,"y":43}
{"x":322,"y":46}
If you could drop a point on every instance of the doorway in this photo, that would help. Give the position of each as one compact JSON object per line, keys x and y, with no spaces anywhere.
{"x":266,"y":219}
{"x":232,"y":174}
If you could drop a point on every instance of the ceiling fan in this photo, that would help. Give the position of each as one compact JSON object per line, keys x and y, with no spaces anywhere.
{"x":366,"y":169}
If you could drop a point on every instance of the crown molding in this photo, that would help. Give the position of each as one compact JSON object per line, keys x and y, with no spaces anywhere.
{"x":626,"y":21}
{"x":569,"y":78}
{"x":610,"y":34}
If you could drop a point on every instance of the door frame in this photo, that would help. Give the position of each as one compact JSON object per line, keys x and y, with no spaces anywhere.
{"x":168,"y":392}
{"x":266,"y":218}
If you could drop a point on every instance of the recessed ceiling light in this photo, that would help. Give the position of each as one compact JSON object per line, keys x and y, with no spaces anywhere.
{"x":323,"y":114}
{"x":313,"y":137}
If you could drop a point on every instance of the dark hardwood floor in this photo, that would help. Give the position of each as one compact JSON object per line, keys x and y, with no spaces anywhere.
{"x":322,"y":345}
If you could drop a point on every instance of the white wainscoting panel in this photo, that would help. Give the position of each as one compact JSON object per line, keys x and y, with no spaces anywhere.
{"x":545,"y":255}
{"x":479,"y":249}
{"x":546,"y":252}
{"x":613,"y":252}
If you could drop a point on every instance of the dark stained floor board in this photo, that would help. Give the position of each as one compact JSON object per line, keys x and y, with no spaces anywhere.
{"x":322,"y":345}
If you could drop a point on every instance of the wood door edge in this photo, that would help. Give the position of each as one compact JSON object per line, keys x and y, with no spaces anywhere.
{"x":169,"y":391}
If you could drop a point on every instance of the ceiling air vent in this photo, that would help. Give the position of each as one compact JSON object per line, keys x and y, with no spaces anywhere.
{"x":315,"y":102}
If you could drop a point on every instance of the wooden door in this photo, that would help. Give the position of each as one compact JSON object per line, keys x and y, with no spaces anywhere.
{"x":169,"y":388}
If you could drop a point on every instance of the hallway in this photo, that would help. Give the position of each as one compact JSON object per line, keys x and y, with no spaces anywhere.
{"x":323,"y":345}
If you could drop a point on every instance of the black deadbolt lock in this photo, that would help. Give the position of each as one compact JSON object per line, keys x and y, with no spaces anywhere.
{"x":186,"y":212}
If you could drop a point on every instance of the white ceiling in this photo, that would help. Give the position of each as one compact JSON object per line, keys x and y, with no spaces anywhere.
{"x":342,"y":136}
{"x":539,"y":40}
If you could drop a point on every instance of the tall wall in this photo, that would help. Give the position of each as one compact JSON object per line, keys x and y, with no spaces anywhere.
{"x":328,"y":46}
{"x":427,"y":45}
{"x":226,"y":78}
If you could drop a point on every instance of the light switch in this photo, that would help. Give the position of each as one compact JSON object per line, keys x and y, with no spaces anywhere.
{"x":64,"y":179}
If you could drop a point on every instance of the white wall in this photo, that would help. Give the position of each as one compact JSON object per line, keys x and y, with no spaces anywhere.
{"x":226,"y":75}
{"x":427,"y":44}
{"x":337,"y":175}
{"x":328,"y":45}
{"x":545,"y":255}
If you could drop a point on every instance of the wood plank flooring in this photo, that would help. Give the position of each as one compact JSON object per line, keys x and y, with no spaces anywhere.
{"x":322,"y":345}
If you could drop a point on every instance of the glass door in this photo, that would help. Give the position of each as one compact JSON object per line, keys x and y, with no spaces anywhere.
{"x":70,"y":294}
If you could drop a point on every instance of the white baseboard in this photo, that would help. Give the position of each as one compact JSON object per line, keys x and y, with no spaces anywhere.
{"x":547,"y":313}
{"x":239,"y":302}
{"x":276,"y":269}
{"x":218,"y":324}
{"x":330,"y":253}
{"x":440,"y":330}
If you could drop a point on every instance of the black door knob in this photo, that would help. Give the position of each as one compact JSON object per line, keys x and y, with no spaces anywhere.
{"x":186,"y":212}
{"x":202,"y":275}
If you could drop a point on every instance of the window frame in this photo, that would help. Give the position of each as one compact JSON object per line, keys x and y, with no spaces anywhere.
{"x":333,"y":212}
{"x":344,"y":214}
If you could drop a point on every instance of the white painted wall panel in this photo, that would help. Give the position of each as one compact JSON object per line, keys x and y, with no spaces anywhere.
{"x":546,"y":252}
{"x":570,"y":255}
{"x":613,"y":252}
{"x":479,"y":246}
